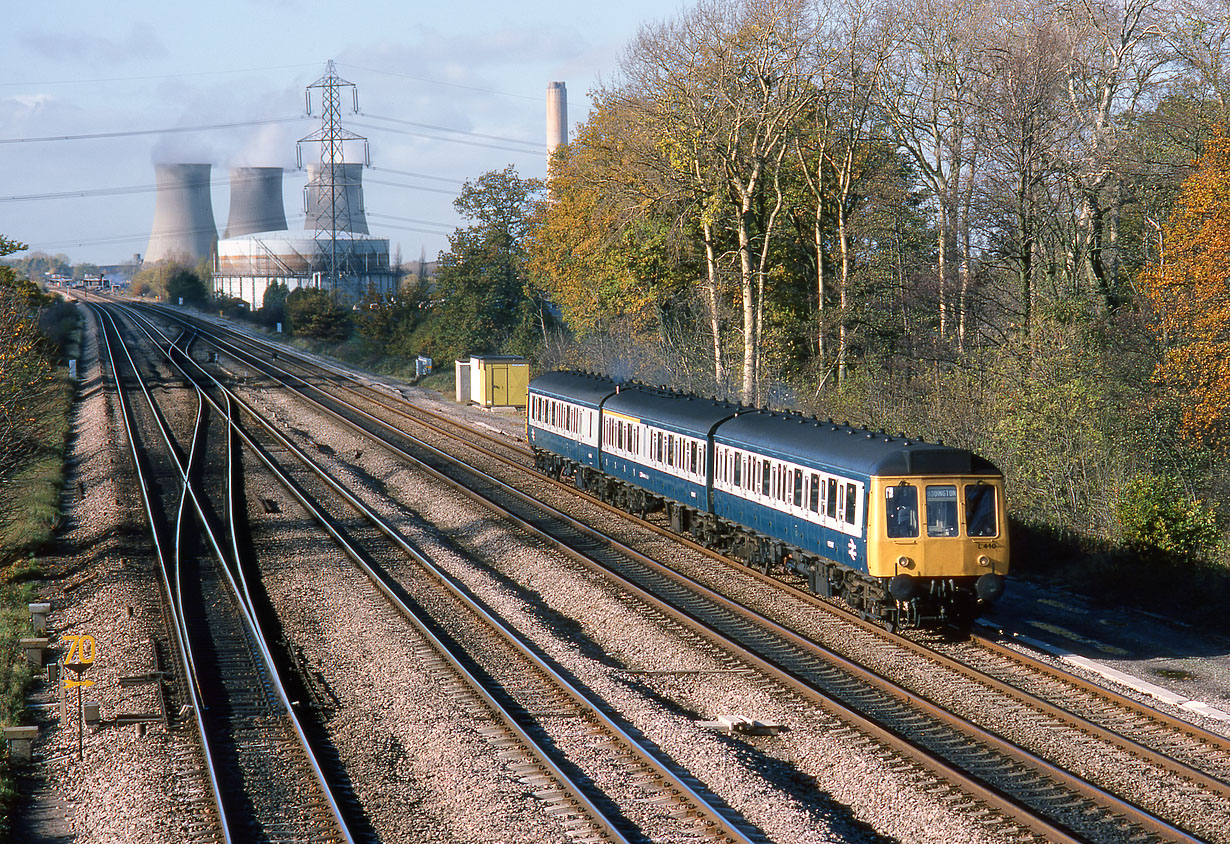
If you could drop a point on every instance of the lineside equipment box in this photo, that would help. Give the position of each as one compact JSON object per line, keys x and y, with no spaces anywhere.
{"x":497,"y":380}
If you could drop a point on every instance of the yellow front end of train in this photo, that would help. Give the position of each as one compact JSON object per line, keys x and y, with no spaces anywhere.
{"x":934,"y":534}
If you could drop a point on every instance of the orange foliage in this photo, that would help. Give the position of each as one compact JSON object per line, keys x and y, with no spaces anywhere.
{"x":1190,"y":293}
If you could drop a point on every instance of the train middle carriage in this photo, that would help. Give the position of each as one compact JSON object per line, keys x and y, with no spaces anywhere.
{"x":659,"y":443}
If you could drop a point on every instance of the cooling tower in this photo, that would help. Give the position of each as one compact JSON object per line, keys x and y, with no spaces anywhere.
{"x":557,"y":116}
{"x":256,"y":201}
{"x":183,"y":213}
{"x":351,"y":216}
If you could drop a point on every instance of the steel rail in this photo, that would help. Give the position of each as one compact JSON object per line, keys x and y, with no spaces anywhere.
{"x":1141,"y":817}
{"x":1081,"y":723}
{"x":982,"y":791}
{"x":248,"y":613}
{"x":183,"y":648}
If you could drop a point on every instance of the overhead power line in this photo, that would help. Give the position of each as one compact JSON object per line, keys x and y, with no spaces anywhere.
{"x":518,"y":150}
{"x":134,"y":132}
{"x":534,"y":145}
{"x":411,"y":187}
{"x":376,"y":169}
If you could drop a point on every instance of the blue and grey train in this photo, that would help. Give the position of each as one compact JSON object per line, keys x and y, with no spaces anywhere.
{"x":909,"y":533}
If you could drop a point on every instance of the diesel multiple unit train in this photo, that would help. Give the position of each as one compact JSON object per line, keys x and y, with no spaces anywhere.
{"x":909,"y":533}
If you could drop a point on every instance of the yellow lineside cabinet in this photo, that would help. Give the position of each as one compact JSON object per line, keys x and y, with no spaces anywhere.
{"x":499,"y":381}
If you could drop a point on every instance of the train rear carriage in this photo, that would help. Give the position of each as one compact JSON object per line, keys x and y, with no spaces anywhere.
{"x":911,"y":533}
{"x":656,"y":448}
{"x":562,"y":420}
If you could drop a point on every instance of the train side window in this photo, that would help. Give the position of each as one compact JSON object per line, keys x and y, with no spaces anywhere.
{"x":670,"y":450}
{"x":815,"y":493}
{"x":798,"y":487}
{"x":739,"y":470}
{"x":693,"y":450}
{"x":832,"y":500}
{"x":980,"y":518}
{"x":901,"y":510}
{"x":942,"y":510}
{"x":851,"y":504}
{"x":766,"y":479}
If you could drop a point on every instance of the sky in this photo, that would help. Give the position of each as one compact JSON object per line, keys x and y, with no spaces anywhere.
{"x":447,"y":91}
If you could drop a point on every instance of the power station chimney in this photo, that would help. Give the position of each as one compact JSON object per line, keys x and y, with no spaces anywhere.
{"x":557,"y":116}
{"x":256,"y":201}
{"x":183,"y":214}
{"x":348,"y":177}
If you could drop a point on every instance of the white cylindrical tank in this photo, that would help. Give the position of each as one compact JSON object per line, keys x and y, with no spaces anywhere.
{"x":557,"y":116}
{"x":184,"y":226}
{"x":256,"y":201}
{"x":351,"y":215}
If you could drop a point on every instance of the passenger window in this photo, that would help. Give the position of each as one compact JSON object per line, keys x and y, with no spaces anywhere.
{"x":980,"y":518}
{"x":766,"y":480}
{"x":815,"y":493}
{"x":901,"y":511}
{"x":942,"y":510}
{"x":851,"y":504}
{"x":798,"y":487}
{"x":832,"y":499}
{"x":738,"y":470}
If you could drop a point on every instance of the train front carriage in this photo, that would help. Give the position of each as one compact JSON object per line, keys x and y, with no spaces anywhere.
{"x":939,"y":538}
{"x":910,"y":533}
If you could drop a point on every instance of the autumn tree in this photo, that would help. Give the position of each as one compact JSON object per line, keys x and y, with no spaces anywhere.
{"x":25,"y":372}
{"x":1189,"y":290}
{"x":723,"y":87}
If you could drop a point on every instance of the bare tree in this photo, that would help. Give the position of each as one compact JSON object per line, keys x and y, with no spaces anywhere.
{"x":1114,"y":59}
{"x":1024,"y":132}
{"x":860,"y":45}
{"x":931,"y":101}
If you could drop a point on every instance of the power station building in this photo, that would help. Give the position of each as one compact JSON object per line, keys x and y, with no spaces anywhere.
{"x":260,"y":250}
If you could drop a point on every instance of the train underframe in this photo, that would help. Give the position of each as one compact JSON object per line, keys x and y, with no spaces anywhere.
{"x":928,"y":603}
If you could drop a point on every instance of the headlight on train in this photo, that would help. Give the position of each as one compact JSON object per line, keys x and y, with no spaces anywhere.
{"x":984,"y":561}
{"x":905,"y":562}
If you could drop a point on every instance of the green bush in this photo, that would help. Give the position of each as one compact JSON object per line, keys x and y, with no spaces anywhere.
{"x":314,"y":313}
{"x":1160,"y":520}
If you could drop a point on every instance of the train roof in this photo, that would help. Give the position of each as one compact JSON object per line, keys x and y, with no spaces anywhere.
{"x":815,"y":442}
{"x":583,"y":387}
{"x":685,"y":413}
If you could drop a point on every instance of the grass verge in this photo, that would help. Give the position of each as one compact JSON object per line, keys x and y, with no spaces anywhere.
{"x":31,"y":498}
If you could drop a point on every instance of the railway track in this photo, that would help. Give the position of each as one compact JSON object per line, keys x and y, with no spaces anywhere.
{"x":264,"y":780}
{"x":1146,"y":823}
{"x":559,"y":781}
